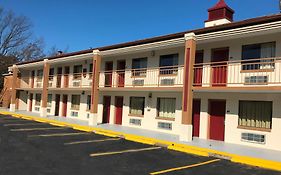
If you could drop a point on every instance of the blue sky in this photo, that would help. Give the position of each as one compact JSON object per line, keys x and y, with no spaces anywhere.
{"x":81,"y":24}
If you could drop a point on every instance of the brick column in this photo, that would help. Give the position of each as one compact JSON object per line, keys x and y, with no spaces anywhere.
{"x":95,"y":91}
{"x":13,"y":89}
{"x":44,"y":95}
{"x":190,"y":50}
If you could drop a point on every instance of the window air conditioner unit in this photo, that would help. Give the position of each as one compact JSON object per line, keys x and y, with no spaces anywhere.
{"x":76,"y":83}
{"x":164,"y":125}
{"x":135,"y":122}
{"x":167,"y":82}
{"x":254,"y":138}
{"x":256,"y":80}
{"x":138,"y":82}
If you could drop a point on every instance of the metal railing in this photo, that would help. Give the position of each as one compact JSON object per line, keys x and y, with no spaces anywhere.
{"x":241,"y":73}
{"x":171,"y":76}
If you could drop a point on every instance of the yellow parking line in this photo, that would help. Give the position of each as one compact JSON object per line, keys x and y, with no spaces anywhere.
{"x":91,"y":141}
{"x":24,"y":124}
{"x":59,"y":134}
{"x":124,"y":151}
{"x":185,"y":167}
{"x":35,"y":129}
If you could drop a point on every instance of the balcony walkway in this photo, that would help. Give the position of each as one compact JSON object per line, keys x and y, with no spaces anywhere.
{"x":210,"y":144}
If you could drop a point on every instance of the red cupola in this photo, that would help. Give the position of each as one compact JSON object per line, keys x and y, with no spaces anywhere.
{"x":221,"y":13}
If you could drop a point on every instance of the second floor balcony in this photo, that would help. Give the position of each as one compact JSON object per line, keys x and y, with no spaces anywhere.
{"x":242,"y":74}
{"x":158,"y":77}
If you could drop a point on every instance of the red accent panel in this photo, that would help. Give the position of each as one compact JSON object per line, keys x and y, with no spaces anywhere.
{"x":187,"y":60}
{"x":217,"y":117}
{"x":93,"y":81}
{"x":196,"y":117}
{"x":219,"y":66}
{"x":106,"y":109}
{"x":118,"y":110}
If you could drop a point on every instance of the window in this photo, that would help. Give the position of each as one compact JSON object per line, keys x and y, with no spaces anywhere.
{"x":257,"y":51}
{"x":49,"y":102}
{"x":37,"y":99}
{"x":88,"y":102}
{"x":166,"y":107}
{"x":77,"y":72}
{"x":256,"y":114}
{"x":75,"y":102}
{"x":137,"y":105}
{"x":139,"y":66}
{"x":168,"y":64}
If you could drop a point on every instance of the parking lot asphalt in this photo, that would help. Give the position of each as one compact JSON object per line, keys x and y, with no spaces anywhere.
{"x":29,"y":147}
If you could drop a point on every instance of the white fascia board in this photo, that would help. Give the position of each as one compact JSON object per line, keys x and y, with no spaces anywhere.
{"x":240,"y":32}
{"x":145,"y":47}
{"x":69,"y":59}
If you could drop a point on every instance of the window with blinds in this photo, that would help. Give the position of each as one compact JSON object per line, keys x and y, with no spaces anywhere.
{"x":37,"y":99}
{"x":75,"y":102}
{"x":166,"y":107}
{"x":255,"y":114}
{"x":137,"y":105}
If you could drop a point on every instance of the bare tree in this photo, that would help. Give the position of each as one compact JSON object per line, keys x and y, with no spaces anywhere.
{"x":16,"y":37}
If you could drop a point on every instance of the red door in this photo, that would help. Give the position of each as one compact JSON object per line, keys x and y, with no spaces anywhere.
{"x":108,"y":74}
{"x":118,"y":110}
{"x":121,"y":72}
{"x":64,"y":105}
{"x":57,"y":105}
{"x":106,"y":109}
{"x":219,"y":66}
{"x":30,"y":102}
{"x":66,"y":76}
{"x":196,"y":117}
{"x":217,"y":117}
{"x":198,"y":68}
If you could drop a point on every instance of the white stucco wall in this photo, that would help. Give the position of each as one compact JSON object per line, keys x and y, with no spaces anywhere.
{"x":232,"y":133}
{"x":148,"y":121}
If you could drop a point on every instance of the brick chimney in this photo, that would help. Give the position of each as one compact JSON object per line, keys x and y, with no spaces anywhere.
{"x":221,"y":13}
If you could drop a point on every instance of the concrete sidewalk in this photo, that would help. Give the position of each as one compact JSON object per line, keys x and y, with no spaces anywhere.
{"x":254,"y":156}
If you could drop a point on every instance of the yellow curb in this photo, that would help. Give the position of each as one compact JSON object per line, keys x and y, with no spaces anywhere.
{"x":170,"y":145}
{"x":56,"y":124}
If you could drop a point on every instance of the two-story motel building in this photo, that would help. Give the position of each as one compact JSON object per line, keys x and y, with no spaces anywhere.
{"x":220,"y":82}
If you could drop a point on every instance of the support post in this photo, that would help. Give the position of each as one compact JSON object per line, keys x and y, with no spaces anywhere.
{"x":44,"y":95}
{"x":13,"y":89}
{"x":190,"y":50}
{"x":95,"y":90}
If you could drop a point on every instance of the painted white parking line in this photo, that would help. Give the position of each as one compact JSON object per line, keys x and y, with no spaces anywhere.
{"x":124,"y":151}
{"x":36,"y":129}
{"x":24,"y":124}
{"x":60,"y":134}
{"x":91,"y":141}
